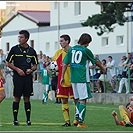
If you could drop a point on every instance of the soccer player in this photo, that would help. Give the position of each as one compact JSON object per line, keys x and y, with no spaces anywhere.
{"x":126,"y":114}
{"x":78,"y":58}
{"x":46,"y":82}
{"x":2,"y":91}
{"x":64,"y":91}
{"x":22,"y":59}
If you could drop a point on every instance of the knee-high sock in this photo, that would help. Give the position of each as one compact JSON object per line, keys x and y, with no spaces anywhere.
{"x":45,"y":96}
{"x":15,"y":108}
{"x":77,"y":111}
{"x":27,"y":110}
{"x":124,"y":115}
{"x":65,"y":109}
{"x":82,"y":111}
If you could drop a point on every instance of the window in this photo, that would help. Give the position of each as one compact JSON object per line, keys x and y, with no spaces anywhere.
{"x":119,"y":40}
{"x":55,"y":5}
{"x":32,"y":43}
{"x":65,"y":4}
{"x":77,"y":8}
{"x":7,"y":46}
{"x":47,"y":46}
{"x":56,"y":46}
{"x":105,"y":41}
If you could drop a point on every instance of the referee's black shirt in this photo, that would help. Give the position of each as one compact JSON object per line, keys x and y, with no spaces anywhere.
{"x":22,"y":58}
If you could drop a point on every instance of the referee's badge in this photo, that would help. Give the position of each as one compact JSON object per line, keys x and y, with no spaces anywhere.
{"x":28,"y":60}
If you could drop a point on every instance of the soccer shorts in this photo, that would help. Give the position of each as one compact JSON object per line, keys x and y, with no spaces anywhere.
{"x":65,"y":92}
{"x":23,"y":85}
{"x":54,"y":82}
{"x":81,"y":91}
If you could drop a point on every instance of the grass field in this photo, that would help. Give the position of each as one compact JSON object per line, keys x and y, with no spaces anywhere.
{"x":48,"y":117}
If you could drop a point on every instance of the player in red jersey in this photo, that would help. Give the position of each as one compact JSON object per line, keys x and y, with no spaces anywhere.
{"x":2,"y":91}
{"x":64,"y":91}
{"x":126,"y":114}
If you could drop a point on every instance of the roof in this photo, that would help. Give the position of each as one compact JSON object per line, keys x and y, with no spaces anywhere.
{"x":37,"y":16}
{"x":41,"y":18}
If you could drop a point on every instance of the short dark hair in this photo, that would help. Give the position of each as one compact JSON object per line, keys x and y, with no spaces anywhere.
{"x":84,"y":39}
{"x":66,"y":38}
{"x":104,"y":60}
{"x":110,"y":57}
{"x":25,"y":32}
{"x":124,"y":57}
{"x":127,"y":105}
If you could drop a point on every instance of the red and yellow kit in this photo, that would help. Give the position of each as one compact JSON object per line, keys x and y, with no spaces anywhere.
{"x":61,"y":92}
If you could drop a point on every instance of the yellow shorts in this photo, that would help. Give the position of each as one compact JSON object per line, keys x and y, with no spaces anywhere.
{"x":2,"y":88}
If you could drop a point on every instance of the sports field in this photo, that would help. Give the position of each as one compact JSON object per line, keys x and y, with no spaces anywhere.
{"x":49,"y":117}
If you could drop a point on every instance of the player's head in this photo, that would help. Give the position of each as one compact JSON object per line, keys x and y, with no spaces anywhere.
{"x":104,"y":61}
{"x":129,"y":107}
{"x":23,"y":36}
{"x":110,"y":58}
{"x":85,"y":39}
{"x":64,"y":40}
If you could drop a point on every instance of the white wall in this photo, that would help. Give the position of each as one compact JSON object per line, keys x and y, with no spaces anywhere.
{"x":88,"y":9}
{"x":18,"y":23}
{"x":67,"y":16}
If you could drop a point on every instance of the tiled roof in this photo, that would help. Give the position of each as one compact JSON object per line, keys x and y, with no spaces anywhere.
{"x":37,"y":16}
{"x":41,"y":18}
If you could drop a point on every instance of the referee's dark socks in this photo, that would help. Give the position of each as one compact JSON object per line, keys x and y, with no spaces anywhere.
{"x":27,"y":110}
{"x":15,"y":107}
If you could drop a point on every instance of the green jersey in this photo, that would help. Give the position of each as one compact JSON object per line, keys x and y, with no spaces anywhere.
{"x":78,"y":57}
{"x":45,"y":76}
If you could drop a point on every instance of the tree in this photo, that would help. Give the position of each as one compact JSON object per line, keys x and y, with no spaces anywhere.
{"x":111,"y":13}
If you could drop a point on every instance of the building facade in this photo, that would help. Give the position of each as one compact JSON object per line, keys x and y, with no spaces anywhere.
{"x":66,"y":18}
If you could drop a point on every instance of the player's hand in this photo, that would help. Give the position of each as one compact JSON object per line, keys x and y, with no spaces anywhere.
{"x":28,"y":71}
{"x":61,"y":81}
{"x":20,"y":72}
{"x":114,"y":113}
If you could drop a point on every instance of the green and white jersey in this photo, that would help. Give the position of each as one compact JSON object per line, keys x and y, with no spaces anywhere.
{"x":45,"y":76}
{"x":79,"y":57}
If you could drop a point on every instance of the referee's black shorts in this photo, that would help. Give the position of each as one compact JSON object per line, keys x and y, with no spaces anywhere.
{"x":54,"y":82}
{"x":23,"y":85}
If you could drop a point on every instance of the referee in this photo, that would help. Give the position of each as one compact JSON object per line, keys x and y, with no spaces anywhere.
{"x":22,"y":59}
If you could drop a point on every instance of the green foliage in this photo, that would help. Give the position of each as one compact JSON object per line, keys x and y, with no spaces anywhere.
{"x":49,"y":117}
{"x":111,"y":13}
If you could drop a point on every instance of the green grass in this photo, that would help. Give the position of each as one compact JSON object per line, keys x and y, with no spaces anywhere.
{"x":49,"y":117}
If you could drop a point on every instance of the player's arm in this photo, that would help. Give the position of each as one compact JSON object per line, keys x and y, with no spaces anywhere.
{"x":34,"y":67}
{"x":114,"y":114}
{"x":100,"y":66}
{"x":64,"y":67}
{"x":18,"y":70}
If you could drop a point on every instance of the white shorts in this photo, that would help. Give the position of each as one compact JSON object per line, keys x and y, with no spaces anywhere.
{"x":46,"y":88}
{"x":103,"y":77}
{"x":81,"y":90}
